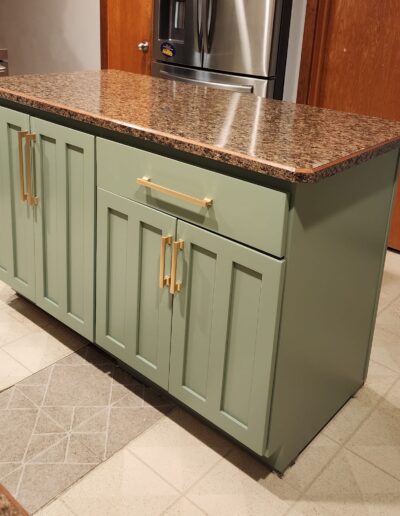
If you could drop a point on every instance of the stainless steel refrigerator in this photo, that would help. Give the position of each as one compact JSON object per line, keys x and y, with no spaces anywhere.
{"x":238,"y":45}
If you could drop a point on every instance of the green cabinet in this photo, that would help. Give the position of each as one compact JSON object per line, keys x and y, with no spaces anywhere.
{"x":224,"y":333}
{"x":47,"y":189}
{"x":133,"y":313}
{"x":64,"y":224}
{"x":17,"y":250}
{"x":218,"y":358}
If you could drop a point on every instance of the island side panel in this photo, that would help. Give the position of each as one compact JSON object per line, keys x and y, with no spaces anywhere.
{"x":336,"y":247}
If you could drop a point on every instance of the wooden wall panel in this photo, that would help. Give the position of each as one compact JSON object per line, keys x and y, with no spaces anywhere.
{"x":351,"y":62}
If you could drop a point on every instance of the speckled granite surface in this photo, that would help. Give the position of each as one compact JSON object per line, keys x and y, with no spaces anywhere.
{"x":292,"y":142}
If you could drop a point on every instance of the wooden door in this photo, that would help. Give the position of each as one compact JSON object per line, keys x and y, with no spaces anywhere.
{"x":133,"y":312}
{"x":224,"y":332}
{"x":17,"y":248}
{"x":125,"y":24}
{"x":351,"y":62}
{"x":64,"y":224}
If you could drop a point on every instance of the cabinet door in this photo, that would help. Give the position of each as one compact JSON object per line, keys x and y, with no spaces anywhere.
{"x":64,"y":225}
{"x":17,"y":252}
{"x":224,"y":332}
{"x":133,"y":312}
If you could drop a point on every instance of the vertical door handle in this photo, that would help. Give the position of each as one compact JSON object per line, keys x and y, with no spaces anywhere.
{"x":175,"y":286}
{"x":32,"y":199}
{"x":22,"y":194}
{"x":164,"y":280}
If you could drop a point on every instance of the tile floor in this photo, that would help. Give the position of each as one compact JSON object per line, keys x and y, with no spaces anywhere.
{"x":167,"y":462}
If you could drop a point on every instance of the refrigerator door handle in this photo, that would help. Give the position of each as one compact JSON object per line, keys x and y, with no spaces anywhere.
{"x":199,"y":15}
{"x":239,"y":88}
{"x":209,"y":23}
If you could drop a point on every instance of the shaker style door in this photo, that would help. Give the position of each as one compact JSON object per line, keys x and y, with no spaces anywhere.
{"x":134,"y":307}
{"x":17,"y":249}
{"x":224,"y":332}
{"x":63,"y":197}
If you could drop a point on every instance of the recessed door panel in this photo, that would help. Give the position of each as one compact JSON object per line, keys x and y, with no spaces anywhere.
{"x":224,"y":332}
{"x":64,"y":225}
{"x":133,"y":311}
{"x":17,"y":250}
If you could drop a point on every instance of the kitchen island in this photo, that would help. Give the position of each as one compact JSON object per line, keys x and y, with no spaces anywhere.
{"x":227,"y":248}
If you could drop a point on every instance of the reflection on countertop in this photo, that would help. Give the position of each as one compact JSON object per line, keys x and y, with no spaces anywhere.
{"x":290,"y":141}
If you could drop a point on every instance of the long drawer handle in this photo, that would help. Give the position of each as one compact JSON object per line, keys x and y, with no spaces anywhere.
{"x":175,"y":286}
{"x":32,"y":199}
{"x":22,"y":194}
{"x":164,"y":280}
{"x":146,"y":182}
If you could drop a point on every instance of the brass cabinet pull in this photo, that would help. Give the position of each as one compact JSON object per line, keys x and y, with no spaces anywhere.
{"x":32,"y":199}
{"x":146,"y":182}
{"x":164,"y":280}
{"x":22,"y":194}
{"x":175,"y":286}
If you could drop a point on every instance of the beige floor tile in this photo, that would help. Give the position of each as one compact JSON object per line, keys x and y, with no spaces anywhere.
{"x":386,"y":348}
{"x":11,"y":371}
{"x":228,"y":490}
{"x":357,"y":409}
{"x":180,"y":448}
{"x":120,"y":486}
{"x":260,"y":473}
{"x":39,"y":350}
{"x":380,"y":378}
{"x":7,"y":294}
{"x":311,"y":461}
{"x":378,"y":438}
{"x":389,"y":319}
{"x":183,"y":507}
{"x":11,"y":329}
{"x":350,"y":486}
{"x":391,"y":279}
{"x":29,"y":314}
{"x":56,"y":508}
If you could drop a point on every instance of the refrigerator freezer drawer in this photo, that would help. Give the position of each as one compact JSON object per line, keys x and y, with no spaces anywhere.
{"x":233,"y":83}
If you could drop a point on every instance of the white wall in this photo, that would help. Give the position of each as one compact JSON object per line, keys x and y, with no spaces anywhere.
{"x":294,"y":50}
{"x":50,"y":35}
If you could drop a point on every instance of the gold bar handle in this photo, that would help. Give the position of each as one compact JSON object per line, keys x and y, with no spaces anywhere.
{"x":164,"y":280}
{"x":32,"y":199}
{"x":175,"y":286}
{"x":146,"y":182}
{"x":23,"y":196}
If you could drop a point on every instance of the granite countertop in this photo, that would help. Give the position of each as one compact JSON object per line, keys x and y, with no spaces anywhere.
{"x":293,"y":142}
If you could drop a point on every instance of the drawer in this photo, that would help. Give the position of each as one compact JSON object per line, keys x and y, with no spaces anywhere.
{"x":252,"y":214}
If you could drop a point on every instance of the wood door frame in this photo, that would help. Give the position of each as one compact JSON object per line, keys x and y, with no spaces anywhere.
{"x":313,"y":50}
{"x":104,"y":33}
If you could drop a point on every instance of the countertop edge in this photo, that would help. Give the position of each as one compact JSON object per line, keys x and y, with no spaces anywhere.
{"x":179,"y":143}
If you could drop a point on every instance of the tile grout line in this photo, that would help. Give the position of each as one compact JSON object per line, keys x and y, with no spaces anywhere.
{"x":108,"y":414}
{"x":34,"y":426}
{"x":384,"y":365}
{"x":185,"y":491}
{"x":380,"y":402}
{"x":370,"y":411}
{"x":385,"y":307}
{"x":372,"y":464}
{"x":343,"y":447}
{"x":20,"y":363}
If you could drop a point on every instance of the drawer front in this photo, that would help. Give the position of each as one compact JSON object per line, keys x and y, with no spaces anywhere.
{"x":249,"y":213}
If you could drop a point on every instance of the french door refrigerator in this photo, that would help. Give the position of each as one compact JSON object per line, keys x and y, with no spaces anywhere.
{"x":238,"y":45}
